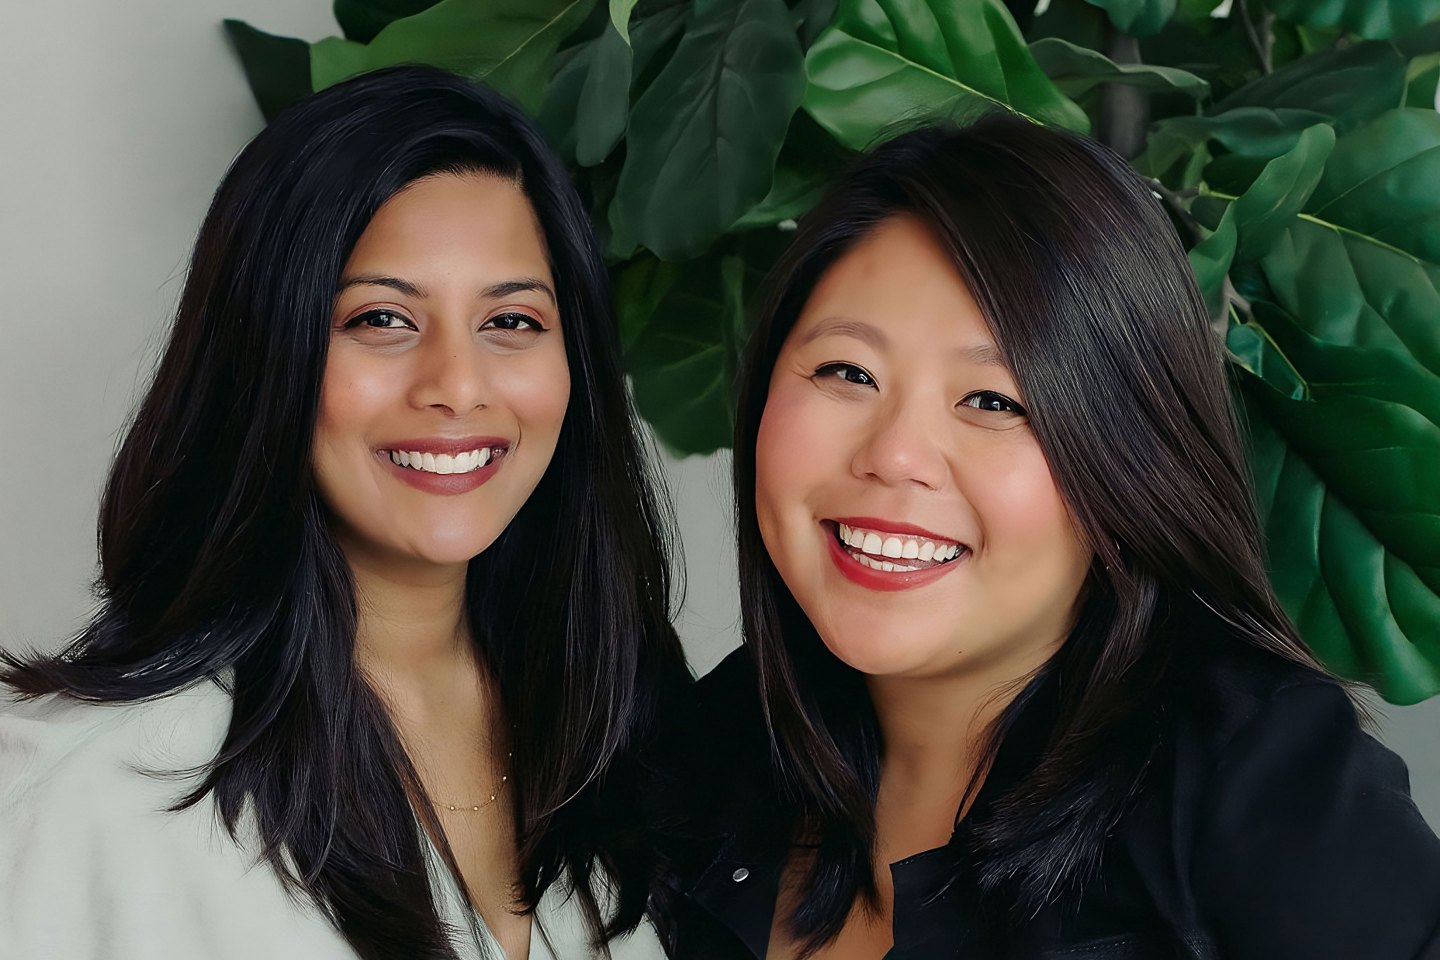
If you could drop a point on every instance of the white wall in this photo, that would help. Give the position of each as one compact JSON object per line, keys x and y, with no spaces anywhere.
{"x":116,"y":122}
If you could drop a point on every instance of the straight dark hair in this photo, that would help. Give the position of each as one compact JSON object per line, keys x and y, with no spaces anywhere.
{"x":1089,"y":295}
{"x":217,"y":559}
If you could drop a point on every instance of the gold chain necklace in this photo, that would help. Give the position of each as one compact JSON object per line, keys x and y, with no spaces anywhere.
{"x":477,"y":807}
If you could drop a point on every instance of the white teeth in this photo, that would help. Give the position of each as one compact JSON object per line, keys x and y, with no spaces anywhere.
{"x":443,"y":464}
{"x":886,"y":565}
{"x":868,"y":547}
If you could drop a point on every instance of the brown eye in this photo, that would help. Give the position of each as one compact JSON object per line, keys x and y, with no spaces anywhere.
{"x":513,"y":321}
{"x":380,"y":320}
{"x":847,"y":372}
{"x":992,"y":402}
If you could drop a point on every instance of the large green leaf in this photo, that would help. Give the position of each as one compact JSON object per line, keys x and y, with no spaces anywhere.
{"x":1348,"y":85}
{"x":1350,"y":291}
{"x":683,"y":373}
{"x":1255,"y":132}
{"x":811,"y":18}
{"x":1367,"y":18}
{"x":809,"y":161}
{"x":277,"y":68}
{"x":1196,"y":10}
{"x":1264,"y":118}
{"x":362,"y":20}
{"x":1385,"y":184}
{"x":1078,"y":70}
{"x":684,"y":327}
{"x":1422,"y":83}
{"x":587,"y":106}
{"x":1248,"y":228}
{"x":508,"y":44}
{"x":603,"y":108}
{"x":1138,"y":18}
{"x":620,"y":11}
{"x":884,"y":61}
{"x":704,"y":137}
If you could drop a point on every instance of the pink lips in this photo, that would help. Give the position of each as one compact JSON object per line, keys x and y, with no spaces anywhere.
{"x":445,"y":484}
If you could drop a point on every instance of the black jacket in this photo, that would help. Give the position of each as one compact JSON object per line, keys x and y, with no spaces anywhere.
{"x":1270,"y":827}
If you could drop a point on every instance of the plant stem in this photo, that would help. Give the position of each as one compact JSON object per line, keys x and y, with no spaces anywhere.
{"x":1262,"y":38}
{"x":1176,"y":204}
{"x":1124,"y":110}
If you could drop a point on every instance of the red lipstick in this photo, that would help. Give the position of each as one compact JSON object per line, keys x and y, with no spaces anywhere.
{"x":881,"y":580}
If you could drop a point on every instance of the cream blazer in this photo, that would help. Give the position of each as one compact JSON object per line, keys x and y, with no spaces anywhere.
{"x":93,"y":866}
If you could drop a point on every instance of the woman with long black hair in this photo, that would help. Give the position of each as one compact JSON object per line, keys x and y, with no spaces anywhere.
{"x":383,"y":626}
{"x":1014,"y":683}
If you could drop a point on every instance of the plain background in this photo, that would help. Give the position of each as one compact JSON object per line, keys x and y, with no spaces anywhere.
{"x":117,"y":121}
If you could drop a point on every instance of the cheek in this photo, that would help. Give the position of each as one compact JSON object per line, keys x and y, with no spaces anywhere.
{"x":1027,"y":526}
{"x":536,"y":389}
{"x":792,"y":452}
{"x":350,"y":398}
{"x":350,"y":395}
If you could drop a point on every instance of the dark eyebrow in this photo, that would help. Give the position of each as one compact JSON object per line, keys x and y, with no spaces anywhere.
{"x":980,"y":354}
{"x":984,"y":355}
{"x":495,"y":291}
{"x":845,"y":327}
{"x":394,"y":283}
{"x":507,"y":287}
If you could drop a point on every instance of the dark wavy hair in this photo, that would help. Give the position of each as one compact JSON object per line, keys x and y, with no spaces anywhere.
{"x":217,"y":558}
{"x":1089,"y":296}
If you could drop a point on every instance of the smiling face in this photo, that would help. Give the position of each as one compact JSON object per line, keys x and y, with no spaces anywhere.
{"x":899,"y":489}
{"x":446,"y":381}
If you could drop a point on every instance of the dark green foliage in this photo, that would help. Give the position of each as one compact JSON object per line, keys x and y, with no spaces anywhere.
{"x":1295,"y":143}
{"x":278,"y":68}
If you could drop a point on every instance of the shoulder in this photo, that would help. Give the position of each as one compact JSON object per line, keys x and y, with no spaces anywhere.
{"x":718,"y":780}
{"x":1232,"y":684}
{"x":1303,"y":829}
{"x":733,"y":675}
{"x":96,"y":861}
{"x":725,"y":727}
{"x":85,"y":783}
{"x":57,"y":753}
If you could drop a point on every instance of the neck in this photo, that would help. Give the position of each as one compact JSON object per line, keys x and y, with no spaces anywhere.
{"x":411,"y":621}
{"x":935,"y":728}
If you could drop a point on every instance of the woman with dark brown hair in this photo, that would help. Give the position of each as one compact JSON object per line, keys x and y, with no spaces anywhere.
{"x":382,"y":635}
{"x":1015,"y":683}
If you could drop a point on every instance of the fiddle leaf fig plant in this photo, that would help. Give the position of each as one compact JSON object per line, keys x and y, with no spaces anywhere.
{"x":1296,"y":146}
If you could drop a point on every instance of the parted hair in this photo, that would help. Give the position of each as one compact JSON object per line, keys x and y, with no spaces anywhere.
{"x":217,"y":559}
{"x":1088,"y":293}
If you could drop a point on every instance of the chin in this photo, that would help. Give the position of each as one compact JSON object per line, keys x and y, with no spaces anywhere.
{"x":876,"y":656}
{"x":448,"y":546}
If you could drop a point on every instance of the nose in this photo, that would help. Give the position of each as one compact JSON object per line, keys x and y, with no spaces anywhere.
{"x":450,"y":373}
{"x":902,"y":445}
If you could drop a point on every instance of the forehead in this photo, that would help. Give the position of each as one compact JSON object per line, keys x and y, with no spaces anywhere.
{"x":473,"y":214}
{"x":897,"y":285}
